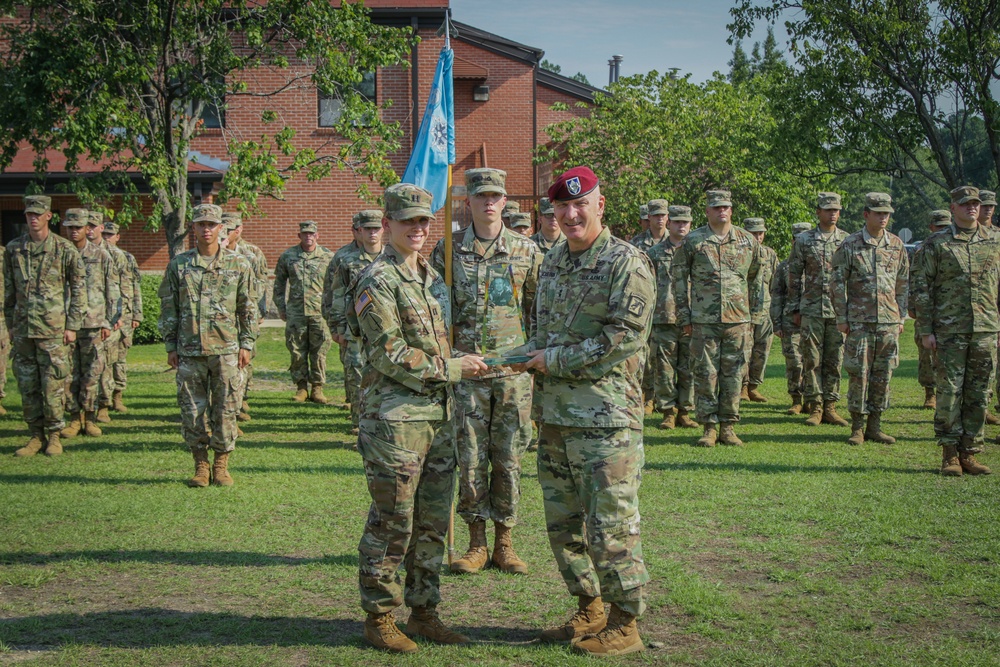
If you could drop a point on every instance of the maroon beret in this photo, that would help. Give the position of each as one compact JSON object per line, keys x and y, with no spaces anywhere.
{"x":573,"y":184}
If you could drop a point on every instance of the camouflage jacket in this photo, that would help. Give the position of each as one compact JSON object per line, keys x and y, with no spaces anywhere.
{"x":779,"y":289}
{"x":304,"y":273}
{"x":102,"y":298}
{"x":662,"y":256}
{"x":343,"y":254}
{"x":768,"y":267}
{"x":135,"y":307}
{"x":870,"y":279}
{"x":4,"y":336}
{"x":593,"y":317}
{"x":810,"y":271}
{"x":544,"y":245}
{"x":492,"y":293}
{"x":43,"y":287}
{"x":403,"y":320}
{"x":121,"y":275}
{"x":644,"y":240}
{"x":205,"y":305}
{"x":956,"y":282}
{"x":340,"y":282}
{"x":258,"y":269}
{"x":721,"y":275}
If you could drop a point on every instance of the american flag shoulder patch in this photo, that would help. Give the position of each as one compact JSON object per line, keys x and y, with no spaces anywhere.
{"x":363,"y":302}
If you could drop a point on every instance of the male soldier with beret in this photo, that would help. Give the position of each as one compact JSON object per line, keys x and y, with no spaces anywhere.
{"x":520,"y":223}
{"x":548,"y":233}
{"x":111,"y":347}
{"x":762,"y":331}
{"x":495,"y":275}
{"x":302,"y":268}
{"x":927,"y":359}
{"x":786,"y":330}
{"x":956,"y":289}
{"x":808,"y":304}
{"x":595,"y":299}
{"x":717,"y":285}
{"x":401,"y":310}
{"x":208,"y":281}
{"x":43,"y":306}
{"x":870,"y":275}
{"x":131,"y":318}
{"x":669,"y":346}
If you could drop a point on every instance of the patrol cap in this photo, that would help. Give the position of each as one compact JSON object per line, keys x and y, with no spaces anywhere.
{"x":308,"y":227}
{"x":800,"y":227}
{"x":679,"y":213}
{"x":545,"y":207}
{"x":940,"y":217}
{"x":404,"y":201}
{"x":879,"y":202}
{"x":370,"y":217}
{"x":964,"y":194}
{"x":232,"y":220}
{"x":485,"y":180}
{"x":828,"y":200}
{"x":658,"y":207}
{"x":987,"y":198}
{"x":644,"y":211}
{"x":520,"y":220}
{"x":96,"y":218}
{"x":719,"y":198}
{"x":573,"y":184}
{"x":37,"y":204}
{"x":111,"y":228}
{"x":509,"y":209}
{"x":76,"y":217}
{"x":207,"y":213}
{"x":754,"y":225}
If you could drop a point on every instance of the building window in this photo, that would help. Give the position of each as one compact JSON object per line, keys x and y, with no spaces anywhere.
{"x":330,"y":105}
{"x":214,"y":114}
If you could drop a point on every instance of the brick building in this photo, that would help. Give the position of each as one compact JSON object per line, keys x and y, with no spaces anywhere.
{"x":503,"y":102}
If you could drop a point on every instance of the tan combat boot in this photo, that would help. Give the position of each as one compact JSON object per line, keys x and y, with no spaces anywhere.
{"x":589,"y":619}
{"x":72,"y":429}
{"x":90,"y":425}
{"x":857,"y":429}
{"x":830,"y":415}
{"x":381,"y":632}
{"x":117,"y":404}
{"x":103,"y":416}
{"x":54,"y":447}
{"x":815,"y":414}
{"x":647,"y":407}
{"x":992,"y":419}
{"x":744,"y":394}
{"x":669,"y":419}
{"x":755,"y":395}
{"x":33,"y":446}
{"x":619,"y":637}
{"x":950,"y":465}
{"x":245,"y":407}
{"x":685,"y":421}
{"x":425,"y":622}
{"x":970,"y":466}
{"x":874,"y":432}
{"x":242,"y":417}
{"x":709,"y":438}
{"x":475,"y":558}
{"x":317,"y":395}
{"x":504,"y":557}
{"x":220,"y":475}
{"x":302,"y":393}
{"x":727,"y":435}
{"x":796,"y":408}
{"x":201,"y":469}
{"x":3,"y":411}
{"x":930,"y":400}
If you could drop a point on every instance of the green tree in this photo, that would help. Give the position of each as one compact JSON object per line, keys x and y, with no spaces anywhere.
{"x":127,"y":84}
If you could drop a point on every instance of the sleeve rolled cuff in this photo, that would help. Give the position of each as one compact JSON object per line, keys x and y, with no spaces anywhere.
{"x":454,"y":368}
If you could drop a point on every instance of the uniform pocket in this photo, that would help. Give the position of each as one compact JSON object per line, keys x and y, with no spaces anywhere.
{"x":392,"y":471}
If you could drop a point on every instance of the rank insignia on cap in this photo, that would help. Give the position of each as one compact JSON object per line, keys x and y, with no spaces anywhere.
{"x":636,"y":306}
{"x":364,"y":302}
{"x":573,"y":185}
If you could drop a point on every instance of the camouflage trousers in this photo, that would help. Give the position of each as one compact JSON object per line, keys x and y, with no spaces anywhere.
{"x":964,"y":373}
{"x":590,"y":484}
{"x":410,"y":468}
{"x":926,"y":364}
{"x":791,"y":349}
{"x":87,"y":363}
{"x":4,"y":354}
{"x":493,"y":432}
{"x":762,"y":335}
{"x":350,"y":358}
{"x":822,"y":357}
{"x":871,"y":353}
{"x":110,"y":351}
{"x":119,"y":368}
{"x":648,"y":387}
{"x":208,"y":392}
{"x":718,"y":359}
{"x":670,"y":357}
{"x":308,"y":341}
{"x":41,"y":366}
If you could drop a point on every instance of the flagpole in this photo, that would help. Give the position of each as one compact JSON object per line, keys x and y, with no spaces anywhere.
{"x":448,"y":282}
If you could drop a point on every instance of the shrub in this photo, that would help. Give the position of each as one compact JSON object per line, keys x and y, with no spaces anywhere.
{"x":147,"y":331}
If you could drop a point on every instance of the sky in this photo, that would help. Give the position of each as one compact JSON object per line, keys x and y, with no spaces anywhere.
{"x":582,"y":35}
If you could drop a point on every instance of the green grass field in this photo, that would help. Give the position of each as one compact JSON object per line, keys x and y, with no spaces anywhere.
{"x":793,"y":550}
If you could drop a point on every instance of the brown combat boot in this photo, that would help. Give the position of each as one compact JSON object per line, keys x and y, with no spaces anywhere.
{"x":220,"y":475}
{"x":54,"y":447}
{"x":504,"y":557}
{"x":72,"y":429}
{"x":950,"y":465}
{"x":796,"y":408}
{"x":90,"y":425}
{"x":684,"y":420}
{"x":103,"y":416}
{"x":647,"y":407}
{"x":930,"y":400}
{"x":874,"y":432}
{"x":33,"y":446}
{"x":201,"y":469}
{"x":709,"y":438}
{"x":589,"y":619}
{"x":669,"y":419}
{"x":830,"y":415}
{"x":815,"y":414}
{"x":857,"y":429}
{"x":755,"y":395}
{"x":317,"y":395}
{"x":3,"y":411}
{"x":619,"y":637}
{"x":992,"y":419}
{"x":242,"y":417}
{"x":970,"y":466}
{"x":475,"y":558}
{"x":381,"y":632}
{"x":727,"y":435}
{"x":245,"y":407}
{"x":117,"y":404}
{"x":744,"y":394}
{"x":425,"y":622}
{"x":302,"y":393}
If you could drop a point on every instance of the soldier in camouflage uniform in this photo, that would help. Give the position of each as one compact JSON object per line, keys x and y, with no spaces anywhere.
{"x":808,"y":305}
{"x":4,"y":345}
{"x":786,"y":330}
{"x":548,"y":233}
{"x":643,"y":217}
{"x":343,"y":254}
{"x":401,"y":311}
{"x":762,"y":331}
{"x":102,"y":309}
{"x":927,"y":359}
{"x":210,"y":283}
{"x":495,"y":274}
{"x":987,"y":207}
{"x":720,"y":267}
{"x":655,"y":232}
{"x":338,"y":297}
{"x":131,"y":318}
{"x":43,"y":306}
{"x":111,"y":348}
{"x":520,"y":223}
{"x":870,"y":276}
{"x":956,"y":289}
{"x":509,"y":209}
{"x":669,"y":346}
{"x":595,"y":299}
{"x":303,"y":268}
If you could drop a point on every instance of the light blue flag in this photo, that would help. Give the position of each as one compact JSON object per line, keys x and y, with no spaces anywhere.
{"x":434,"y":148}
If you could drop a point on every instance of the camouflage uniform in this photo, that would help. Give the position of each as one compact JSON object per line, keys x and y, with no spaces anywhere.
{"x":306,"y":334}
{"x":762,"y":331}
{"x":927,"y":359}
{"x":544,"y":245}
{"x":669,"y":346}
{"x":133,"y":314}
{"x":113,"y":348}
{"x":645,"y":242}
{"x":790,"y":339}
{"x":258,"y":291}
{"x":4,"y":342}
{"x":350,"y":357}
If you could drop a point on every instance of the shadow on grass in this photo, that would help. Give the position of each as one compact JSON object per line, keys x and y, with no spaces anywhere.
{"x":78,"y":479}
{"x":782,"y":468}
{"x":156,"y":556}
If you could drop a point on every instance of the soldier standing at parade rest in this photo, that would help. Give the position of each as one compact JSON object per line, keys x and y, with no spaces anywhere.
{"x":344,"y":253}
{"x":927,"y":359}
{"x":655,"y":232}
{"x":111,"y":347}
{"x":492,"y":296}
{"x":786,"y":331}
{"x":43,"y":306}
{"x":548,"y":233}
{"x":762,"y":330}
{"x":808,"y":304}
{"x":669,"y":346}
{"x":987,"y":205}
{"x":520,"y":223}
{"x":131,"y":319}
{"x":402,"y":311}
{"x":208,"y":320}
{"x":303,"y":269}
{"x":595,"y":298}
{"x":956,"y":290}
{"x":870,"y":275}
{"x":719,"y":266}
